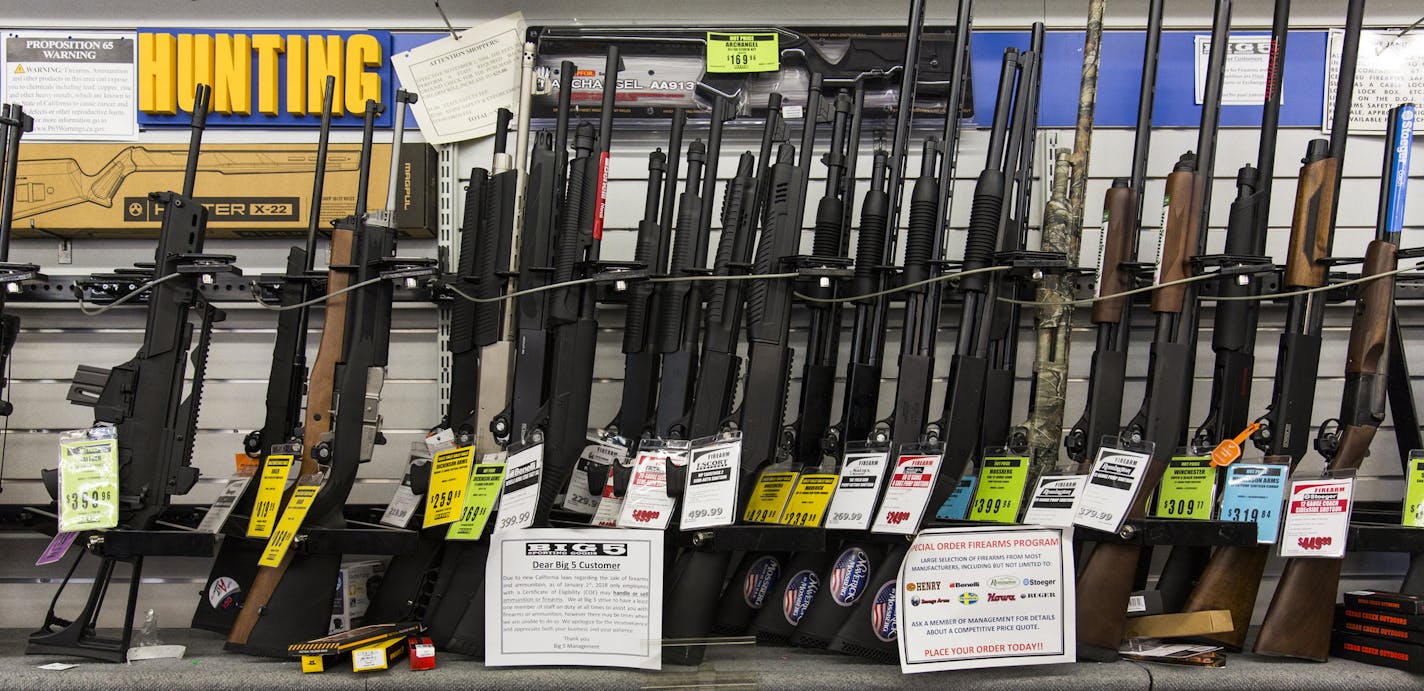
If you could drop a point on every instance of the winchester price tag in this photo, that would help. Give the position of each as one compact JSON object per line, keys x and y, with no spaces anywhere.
{"x":853,"y":504}
{"x":1414,"y":491}
{"x":743,"y":52}
{"x":1111,"y":488}
{"x":480,"y":495}
{"x":1001,"y":488}
{"x":222,"y":507}
{"x":88,"y":479}
{"x":1317,"y":518}
{"x":769,"y":497}
{"x":807,"y":506}
{"x":1188,"y":489}
{"x":710,"y":498}
{"x":956,"y":507}
{"x":1055,"y":501}
{"x":1253,"y":493}
{"x":449,"y":474}
{"x":269,"y":495}
{"x":647,"y":504}
{"x":291,"y":521}
{"x":520,"y":495}
{"x":903,"y":507}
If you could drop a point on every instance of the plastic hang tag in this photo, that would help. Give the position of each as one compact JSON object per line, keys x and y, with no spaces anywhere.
{"x":1003,"y":479}
{"x":912,"y":481}
{"x":1254,"y":493}
{"x":520,"y":495}
{"x":1317,"y":520}
{"x":449,"y":475}
{"x":1112,"y":486}
{"x":271,"y":483}
{"x":591,"y":472}
{"x":88,"y":479}
{"x":481,"y":493}
{"x":1414,"y":491}
{"x":1188,"y":486}
{"x":862,"y":473}
{"x":709,"y":497}
{"x":647,"y":504}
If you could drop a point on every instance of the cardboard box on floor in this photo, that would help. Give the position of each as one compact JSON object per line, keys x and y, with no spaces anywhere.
{"x":251,"y":190}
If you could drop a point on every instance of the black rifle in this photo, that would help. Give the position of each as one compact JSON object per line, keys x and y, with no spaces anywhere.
{"x":13,"y":123}
{"x":143,"y":400}
{"x":286,"y":384}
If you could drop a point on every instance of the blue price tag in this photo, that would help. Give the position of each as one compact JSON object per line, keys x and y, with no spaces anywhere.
{"x":1254,"y":493}
{"x":956,"y":507}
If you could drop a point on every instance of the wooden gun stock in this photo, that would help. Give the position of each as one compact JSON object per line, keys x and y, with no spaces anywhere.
{"x":1179,"y":238}
{"x":1231,"y":581}
{"x":1369,"y":330}
{"x":1310,"y":224}
{"x":1120,"y":204}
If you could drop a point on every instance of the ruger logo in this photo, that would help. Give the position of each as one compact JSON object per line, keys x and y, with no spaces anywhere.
{"x":587,"y":549}
{"x":1313,"y":543}
{"x":998,"y":597}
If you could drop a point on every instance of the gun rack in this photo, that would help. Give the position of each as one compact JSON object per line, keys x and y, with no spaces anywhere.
{"x":1167,"y":531}
{"x":1384,"y":537}
{"x":754,"y":538}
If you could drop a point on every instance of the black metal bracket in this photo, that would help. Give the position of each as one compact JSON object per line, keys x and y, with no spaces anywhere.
{"x":753,"y":538}
{"x":1167,"y":531}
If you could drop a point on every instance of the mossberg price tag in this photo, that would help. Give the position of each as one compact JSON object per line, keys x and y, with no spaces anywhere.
{"x":1254,"y":493}
{"x":710,"y":497}
{"x":647,"y":504}
{"x":1055,"y":501}
{"x":807,"y":505}
{"x":1111,"y":488}
{"x":907,"y":494}
{"x":269,"y":495}
{"x":853,"y":504}
{"x":449,"y":474}
{"x":1002,"y":482}
{"x":291,"y":521}
{"x":1317,"y":518}
{"x":222,"y":507}
{"x":88,"y":481}
{"x":481,"y":492}
{"x":956,"y":507}
{"x":520,"y":495}
{"x":1414,"y":492}
{"x":1188,"y":489}
{"x":769,"y":497}
{"x":759,"y":52}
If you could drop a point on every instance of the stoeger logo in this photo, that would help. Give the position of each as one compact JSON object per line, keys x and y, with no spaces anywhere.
{"x":882,"y":612}
{"x":1039,"y":581}
{"x":224,"y":593}
{"x":1005,"y":582}
{"x":800,"y":590}
{"x":761,"y":576}
{"x":849,"y":576}
{"x":582,"y":549}
{"x":968,"y":598}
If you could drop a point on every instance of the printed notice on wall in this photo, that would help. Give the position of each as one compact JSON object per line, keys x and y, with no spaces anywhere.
{"x":540,"y":613}
{"x":986,"y":597}
{"x":1248,"y":61}
{"x":463,"y":82}
{"x":1390,"y":71}
{"x":75,"y":85}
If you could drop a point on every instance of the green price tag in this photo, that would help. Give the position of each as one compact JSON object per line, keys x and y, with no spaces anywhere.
{"x":1188,"y":489}
{"x":743,"y":52}
{"x":88,"y":482}
{"x":1414,"y":492}
{"x":486,"y":479}
{"x":1001,"y":488}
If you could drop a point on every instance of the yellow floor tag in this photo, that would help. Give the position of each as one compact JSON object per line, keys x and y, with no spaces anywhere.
{"x":769,"y":497}
{"x":449,"y":473}
{"x":269,"y":495}
{"x":290,"y":522}
{"x":807,"y":506}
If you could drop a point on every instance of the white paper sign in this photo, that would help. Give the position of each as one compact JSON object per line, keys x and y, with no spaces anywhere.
{"x":531,"y":620}
{"x":1055,"y":501}
{"x":75,"y":84}
{"x":987,"y":597}
{"x":1317,"y":518}
{"x":710,"y":497}
{"x":462,"y":83}
{"x":903,"y":507}
{"x":853,"y":505}
{"x":222,"y":507}
{"x":1389,"y":71}
{"x":520,"y":495}
{"x":647,"y":504}
{"x":1111,"y":487}
{"x":1248,"y":62}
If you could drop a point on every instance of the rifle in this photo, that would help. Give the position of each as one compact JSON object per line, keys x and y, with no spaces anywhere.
{"x":1297,"y":623}
{"x":236,"y":562}
{"x":1105,"y":583}
{"x":13,"y":124}
{"x":1117,"y":246}
{"x":1233,"y":574}
{"x":143,"y":400}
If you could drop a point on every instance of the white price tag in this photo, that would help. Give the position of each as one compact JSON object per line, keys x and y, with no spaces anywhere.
{"x":903,"y":508}
{"x":402,"y":507}
{"x":363,"y":659}
{"x":1317,"y":518}
{"x":597,"y":456}
{"x":710,"y":497}
{"x":1112,"y":485}
{"x":222,"y":507}
{"x":443,"y":440}
{"x":520,"y":495}
{"x":793,"y":112}
{"x":853,"y":505}
{"x":1055,"y":501}
{"x":647,"y":504}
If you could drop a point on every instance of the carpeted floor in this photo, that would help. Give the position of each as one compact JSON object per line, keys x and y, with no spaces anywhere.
{"x":726,"y":667}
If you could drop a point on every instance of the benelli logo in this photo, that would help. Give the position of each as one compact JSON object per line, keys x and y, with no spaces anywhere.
{"x":586,"y":549}
{"x":1313,"y":543}
{"x":963,"y":584}
{"x":997,"y":597}
{"x":897,"y":517}
{"x":645,"y":515}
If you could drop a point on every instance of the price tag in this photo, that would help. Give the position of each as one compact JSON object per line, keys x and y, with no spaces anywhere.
{"x":88,"y":480}
{"x":1055,"y":501}
{"x":1317,"y":518}
{"x":269,"y":495}
{"x":58,"y":545}
{"x":1254,"y":493}
{"x":291,"y":521}
{"x":222,"y":507}
{"x":759,"y":52}
{"x":402,"y":506}
{"x":449,"y":474}
{"x":1112,"y":485}
{"x":647,"y":504}
{"x":807,"y":506}
{"x":441,"y":440}
{"x":853,"y":504}
{"x":956,"y":507}
{"x":480,"y":495}
{"x":710,"y":497}
{"x":769,"y":497}
{"x":597,"y":456}
{"x":1188,"y":489}
{"x":520,"y":495}
{"x":1414,"y":491}
{"x":903,"y":507}
{"x":609,"y":506}
{"x":1001,"y":488}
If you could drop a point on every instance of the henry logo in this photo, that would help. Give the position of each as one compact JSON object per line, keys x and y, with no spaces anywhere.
{"x":849,"y":575}
{"x":581,"y":549}
{"x":968,"y":598}
{"x":1313,"y":543}
{"x":796,"y":599}
{"x":761,"y":576}
{"x":224,"y":593}
{"x":1005,"y":582}
{"x":999,"y":597}
{"x":922,"y":586}
{"x":882,"y":612}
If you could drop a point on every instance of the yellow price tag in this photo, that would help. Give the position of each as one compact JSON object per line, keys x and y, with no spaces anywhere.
{"x":480,"y":494}
{"x":291,"y":520}
{"x":1414,"y":491}
{"x":449,"y":473}
{"x":743,"y":52}
{"x":269,"y":495}
{"x":769,"y":497}
{"x":809,"y":500}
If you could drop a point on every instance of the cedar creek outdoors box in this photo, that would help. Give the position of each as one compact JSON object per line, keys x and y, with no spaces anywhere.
{"x":251,"y":190}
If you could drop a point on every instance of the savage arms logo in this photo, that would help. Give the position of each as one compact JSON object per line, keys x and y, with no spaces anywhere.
{"x":584,"y":549}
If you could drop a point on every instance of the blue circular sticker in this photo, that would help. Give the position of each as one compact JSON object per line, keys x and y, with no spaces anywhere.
{"x":849,"y":576}
{"x":882,"y":612}
{"x":761,"y":576}
{"x":796,"y":599}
